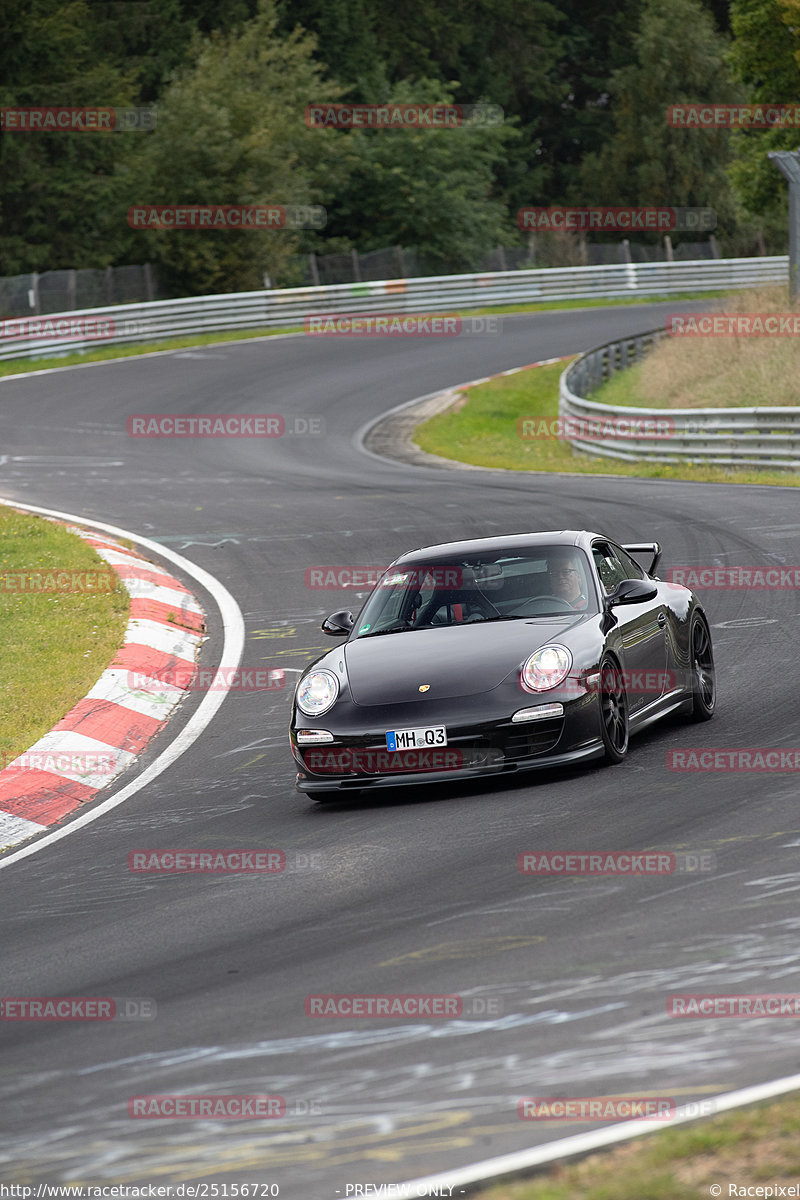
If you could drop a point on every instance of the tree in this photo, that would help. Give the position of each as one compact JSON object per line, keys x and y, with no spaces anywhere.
{"x":497,"y":50}
{"x":548,"y":63}
{"x":57,"y":190}
{"x":765,"y":57}
{"x":231,"y":131}
{"x":646,"y":161}
{"x":146,"y":38}
{"x":424,"y":188}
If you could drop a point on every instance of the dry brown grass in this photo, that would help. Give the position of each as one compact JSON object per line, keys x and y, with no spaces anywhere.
{"x":719,"y":372}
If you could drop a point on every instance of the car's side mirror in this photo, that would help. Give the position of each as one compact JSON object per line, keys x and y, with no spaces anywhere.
{"x":632,"y":591}
{"x":338,"y":623}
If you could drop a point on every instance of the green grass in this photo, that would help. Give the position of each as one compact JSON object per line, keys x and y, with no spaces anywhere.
{"x":55,"y":644}
{"x":103,"y":353}
{"x":484,"y":432}
{"x":715,"y":372}
{"x":749,"y":1147}
{"x":624,"y":388}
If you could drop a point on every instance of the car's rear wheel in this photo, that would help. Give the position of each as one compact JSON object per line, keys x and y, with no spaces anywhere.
{"x":613,"y":712}
{"x":704,"y":681}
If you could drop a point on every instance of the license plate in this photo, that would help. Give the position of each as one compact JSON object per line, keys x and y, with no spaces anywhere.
{"x":414,"y":739}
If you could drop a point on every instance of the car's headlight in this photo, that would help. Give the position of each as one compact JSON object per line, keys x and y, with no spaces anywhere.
{"x":317,"y":692}
{"x":546,"y":669}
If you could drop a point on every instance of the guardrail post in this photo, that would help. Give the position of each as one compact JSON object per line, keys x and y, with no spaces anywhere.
{"x":788,"y":163}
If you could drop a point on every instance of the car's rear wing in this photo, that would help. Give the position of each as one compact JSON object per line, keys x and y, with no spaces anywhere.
{"x":646,"y":548}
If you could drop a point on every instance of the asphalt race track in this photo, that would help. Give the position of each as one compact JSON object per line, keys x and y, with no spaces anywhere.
{"x":409,"y":892}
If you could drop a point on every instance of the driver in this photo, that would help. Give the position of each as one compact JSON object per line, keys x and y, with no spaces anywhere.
{"x":566,"y":577}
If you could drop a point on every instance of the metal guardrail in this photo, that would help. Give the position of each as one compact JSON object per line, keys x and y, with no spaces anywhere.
{"x":286,"y":307}
{"x":764,"y":436}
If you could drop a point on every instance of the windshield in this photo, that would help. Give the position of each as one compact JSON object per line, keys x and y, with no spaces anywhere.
{"x":546,"y":582}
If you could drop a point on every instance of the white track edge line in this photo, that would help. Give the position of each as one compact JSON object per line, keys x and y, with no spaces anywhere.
{"x":582,"y":1143}
{"x":233,"y":634}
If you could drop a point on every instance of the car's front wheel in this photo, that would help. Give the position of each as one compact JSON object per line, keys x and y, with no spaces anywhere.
{"x":704,"y":682}
{"x":613,"y":712}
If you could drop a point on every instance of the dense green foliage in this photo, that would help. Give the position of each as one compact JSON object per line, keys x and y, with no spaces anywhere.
{"x":645,"y":157}
{"x":584,"y":86}
{"x":765,"y":56}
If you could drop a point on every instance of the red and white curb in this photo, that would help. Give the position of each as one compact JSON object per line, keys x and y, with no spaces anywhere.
{"x":101,"y":736}
{"x":543,"y":362}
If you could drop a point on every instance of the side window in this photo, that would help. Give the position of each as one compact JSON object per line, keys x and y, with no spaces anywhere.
{"x":632,"y":568}
{"x":610,"y":569}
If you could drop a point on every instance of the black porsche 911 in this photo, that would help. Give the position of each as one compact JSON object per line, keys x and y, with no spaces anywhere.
{"x":499,"y":655}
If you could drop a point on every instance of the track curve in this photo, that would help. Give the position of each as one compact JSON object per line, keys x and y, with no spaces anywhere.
{"x":407,"y":893}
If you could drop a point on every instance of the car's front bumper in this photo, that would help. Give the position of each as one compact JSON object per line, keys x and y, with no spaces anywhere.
{"x":474,"y":750}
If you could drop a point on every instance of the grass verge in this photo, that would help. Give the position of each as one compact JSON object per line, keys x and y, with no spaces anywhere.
{"x":750,"y":1147}
{"x":482,"y":429}
{"x":55,"y":644}
{"x":716,"y":371}
{"x":104,"y":353}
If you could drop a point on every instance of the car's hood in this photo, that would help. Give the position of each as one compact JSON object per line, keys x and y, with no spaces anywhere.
{"x":454,"y":660}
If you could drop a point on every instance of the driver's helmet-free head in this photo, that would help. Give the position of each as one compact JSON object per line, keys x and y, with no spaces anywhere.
{"x":566,"y":570}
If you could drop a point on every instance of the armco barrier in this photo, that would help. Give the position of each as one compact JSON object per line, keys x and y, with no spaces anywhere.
{"x":287,"y":307}
{"x":726,"y":436}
